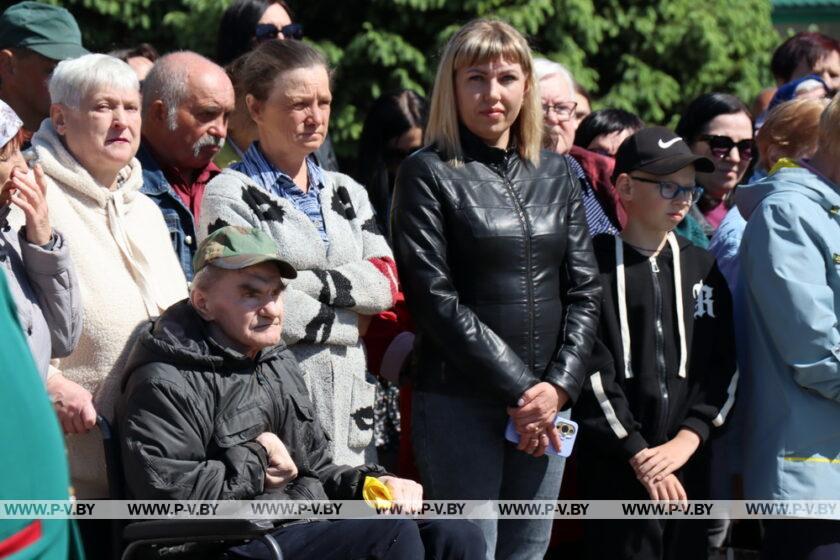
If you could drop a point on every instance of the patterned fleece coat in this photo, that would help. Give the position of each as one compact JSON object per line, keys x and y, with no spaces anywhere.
{"x":355,"y":276}
{"x":127,"y":271}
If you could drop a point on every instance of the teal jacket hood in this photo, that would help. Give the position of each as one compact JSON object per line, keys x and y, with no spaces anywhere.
{"x":796,"y":181}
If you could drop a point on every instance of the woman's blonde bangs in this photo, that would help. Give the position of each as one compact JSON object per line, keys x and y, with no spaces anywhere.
{"x":493,"y":42}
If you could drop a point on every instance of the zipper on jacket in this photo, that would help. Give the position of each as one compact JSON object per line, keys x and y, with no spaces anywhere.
{"x":659,"y":332}
{"x":526,"y":228}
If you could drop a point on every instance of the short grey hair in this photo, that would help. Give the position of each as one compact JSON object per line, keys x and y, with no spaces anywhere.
{"x":167,"y":81}
{"x":73,"y":79}
{"x":544,"y":68}
{"x":206,"y":277}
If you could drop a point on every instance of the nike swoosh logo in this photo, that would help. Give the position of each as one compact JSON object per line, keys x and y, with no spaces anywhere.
{"x":669,"y":143}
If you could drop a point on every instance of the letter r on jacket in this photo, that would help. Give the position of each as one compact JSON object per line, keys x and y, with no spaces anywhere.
{"x":703,"y":300}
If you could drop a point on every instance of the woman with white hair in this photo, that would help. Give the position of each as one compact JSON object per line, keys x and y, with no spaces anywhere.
{"x":557,"y":94}
{"x":118,"y":241}
{"x":498,"y":272}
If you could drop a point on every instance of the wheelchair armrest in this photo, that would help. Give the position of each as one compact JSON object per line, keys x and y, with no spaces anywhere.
{"x":195,"y":528}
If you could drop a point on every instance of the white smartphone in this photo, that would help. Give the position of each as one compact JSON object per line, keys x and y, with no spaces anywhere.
{"x":568,"y":433}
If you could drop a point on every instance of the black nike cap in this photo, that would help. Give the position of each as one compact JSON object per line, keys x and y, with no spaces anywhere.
{"x":658,"y":151}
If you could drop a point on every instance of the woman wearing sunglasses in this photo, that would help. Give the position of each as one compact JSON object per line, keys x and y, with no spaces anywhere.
{"x":720,"y":127}
{"x":246,"y":23}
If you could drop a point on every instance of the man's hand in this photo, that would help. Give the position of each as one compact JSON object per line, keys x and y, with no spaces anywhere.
{"x":281,"y":469}
{"x":670,"y":488}
{"x":407,"y":493}
{"x":535,"y":415}
{"x":73,"y":404}
{"x":655,"y":463}
{"x":30,"y":195}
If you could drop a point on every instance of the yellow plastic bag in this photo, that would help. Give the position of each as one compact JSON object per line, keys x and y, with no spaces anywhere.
{"x":376,"y":494}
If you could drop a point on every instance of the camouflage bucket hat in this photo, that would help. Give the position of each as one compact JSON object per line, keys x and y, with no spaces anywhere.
{"x":235,"y":247}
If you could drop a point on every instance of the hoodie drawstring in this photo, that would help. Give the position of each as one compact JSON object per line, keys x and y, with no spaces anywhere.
{"x":675,"y":251}
{"x":620,"y":285}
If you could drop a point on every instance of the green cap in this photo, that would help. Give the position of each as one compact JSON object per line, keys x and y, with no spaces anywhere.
{"x":50,"y":31}
{"x":235,"y":247}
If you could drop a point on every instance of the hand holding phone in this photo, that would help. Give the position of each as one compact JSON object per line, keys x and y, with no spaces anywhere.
{"x":568,"y":430}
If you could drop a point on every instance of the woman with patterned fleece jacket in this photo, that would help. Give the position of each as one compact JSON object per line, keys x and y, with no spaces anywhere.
{"x":324,"y":226}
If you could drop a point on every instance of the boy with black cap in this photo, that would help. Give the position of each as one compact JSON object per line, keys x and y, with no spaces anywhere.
{"x":662,"y":372}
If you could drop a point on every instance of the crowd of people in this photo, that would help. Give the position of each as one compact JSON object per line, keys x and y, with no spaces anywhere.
{"x":186,"y":261}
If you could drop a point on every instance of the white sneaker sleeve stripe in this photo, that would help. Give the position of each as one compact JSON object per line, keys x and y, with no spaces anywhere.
{"x":606,"y":405}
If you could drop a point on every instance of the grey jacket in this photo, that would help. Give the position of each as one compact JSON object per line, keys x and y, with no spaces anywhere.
{"x":46,"y":293}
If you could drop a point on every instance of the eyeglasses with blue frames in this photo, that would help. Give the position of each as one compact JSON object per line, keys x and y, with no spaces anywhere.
{"x":268,"y":31}
{"x":670,"y":191}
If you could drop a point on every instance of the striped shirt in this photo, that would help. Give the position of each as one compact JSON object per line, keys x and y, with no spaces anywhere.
{"x":596,"y":218}
{"x":255,"y":165}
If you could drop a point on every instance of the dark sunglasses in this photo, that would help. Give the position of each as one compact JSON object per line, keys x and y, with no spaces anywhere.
{"x":269,"y":31}
{"x":721,"y":146}
{"x":670,"y":191}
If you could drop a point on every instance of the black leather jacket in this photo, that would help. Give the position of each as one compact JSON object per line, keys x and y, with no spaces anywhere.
{"x":498,"y":271}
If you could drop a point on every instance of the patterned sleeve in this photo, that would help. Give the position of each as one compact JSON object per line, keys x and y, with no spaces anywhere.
{"x":368,"y":285}
{"x":307,"y":319}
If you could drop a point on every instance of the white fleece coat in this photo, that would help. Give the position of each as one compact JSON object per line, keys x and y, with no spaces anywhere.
{"x":356,"y":275}
{"x":127,"y":272}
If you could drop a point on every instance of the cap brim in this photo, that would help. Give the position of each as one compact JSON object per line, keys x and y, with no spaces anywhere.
{"x":59,"y":51}
{"x":672,"y":164}
{"x":239,"y":262}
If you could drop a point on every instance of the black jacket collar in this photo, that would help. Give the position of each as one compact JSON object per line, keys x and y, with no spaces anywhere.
{"x":180,"y":337}
{"x":476,"y":149}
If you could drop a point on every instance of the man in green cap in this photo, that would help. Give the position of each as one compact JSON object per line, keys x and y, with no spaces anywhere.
{"x":34,"y":37}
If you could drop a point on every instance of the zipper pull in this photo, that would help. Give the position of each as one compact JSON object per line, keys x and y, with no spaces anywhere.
{"x":653,"y":265}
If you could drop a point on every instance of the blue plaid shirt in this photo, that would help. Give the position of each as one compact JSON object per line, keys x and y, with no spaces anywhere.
{"x":255,"y":165}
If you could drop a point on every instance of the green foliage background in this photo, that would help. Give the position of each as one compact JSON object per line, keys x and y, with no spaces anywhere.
{"x":650,"y":57}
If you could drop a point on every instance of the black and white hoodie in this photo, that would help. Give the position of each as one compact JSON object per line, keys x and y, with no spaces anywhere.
{"x":665,"y":358}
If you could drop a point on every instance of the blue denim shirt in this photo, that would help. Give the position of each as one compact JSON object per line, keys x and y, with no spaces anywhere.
{"x":255,"y":165}
{"x":179,"y":220}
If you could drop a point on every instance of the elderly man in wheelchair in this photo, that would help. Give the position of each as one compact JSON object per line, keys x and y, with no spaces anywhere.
{"x":214,"y":407}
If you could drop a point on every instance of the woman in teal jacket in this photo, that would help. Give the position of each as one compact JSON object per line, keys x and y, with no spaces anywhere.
{"x":787,"y":305}
{"x":33,"y":464}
